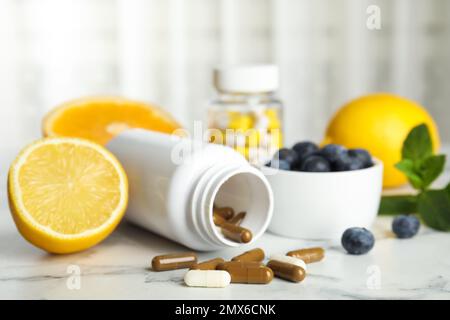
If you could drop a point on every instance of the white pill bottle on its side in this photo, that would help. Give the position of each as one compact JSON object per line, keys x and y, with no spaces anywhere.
{"x":175,"y":181}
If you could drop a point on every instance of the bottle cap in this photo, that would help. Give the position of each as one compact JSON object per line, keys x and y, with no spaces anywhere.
{"x":246,"y":78}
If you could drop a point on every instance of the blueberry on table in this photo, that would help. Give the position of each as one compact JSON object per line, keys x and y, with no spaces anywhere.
{"x":405,"y":226}
{"x":332,"y":152}
{"x":286,"y":155}
{"x":315,"y":163}
{"x":363,"y":155}
{"x":304,"y":149}
{"x":347,"y":161}
{"x":357,"y":240}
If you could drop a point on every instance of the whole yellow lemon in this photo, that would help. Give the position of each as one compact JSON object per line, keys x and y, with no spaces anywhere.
{"x":380,"y":123}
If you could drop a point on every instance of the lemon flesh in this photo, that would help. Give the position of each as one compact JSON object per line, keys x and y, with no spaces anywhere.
{"x":66,"y":194}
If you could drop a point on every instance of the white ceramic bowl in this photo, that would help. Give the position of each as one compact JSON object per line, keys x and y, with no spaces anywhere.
{"x":312,"y":205}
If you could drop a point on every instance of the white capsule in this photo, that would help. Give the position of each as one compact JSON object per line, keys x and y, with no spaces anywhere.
{"x":207,"y":278}
{"x":287,"y":259}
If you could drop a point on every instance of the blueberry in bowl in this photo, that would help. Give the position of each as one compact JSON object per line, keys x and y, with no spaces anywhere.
{"x":315,"y":163}
{"x":348,"y":161}
{"x":304,"y":149}
{"x":287,"y":155}
{"x":308,"y":157}
{"x":323,"y":191}
{"x":332,"y":152}
{"x":363,"y":155}
{"x":279,"y":164}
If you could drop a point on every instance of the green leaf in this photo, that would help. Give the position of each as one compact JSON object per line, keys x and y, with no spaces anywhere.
{"x":434,"y":208}
{"x":393,"y":205}
{"x":407,"y":166}
{"x":417,"y":144}
{"x":430,"y":169}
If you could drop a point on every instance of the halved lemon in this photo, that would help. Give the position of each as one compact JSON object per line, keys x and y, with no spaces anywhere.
{"x":66,"y":194}
{"x":101,"y":118}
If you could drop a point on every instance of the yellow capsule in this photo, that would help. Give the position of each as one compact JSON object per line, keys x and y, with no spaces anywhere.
{"x":238,"y":120}
{"x":274,"y":139}
{"x":235,"y":137}
{"x":252,"y":138}
{"x":274,"y":118}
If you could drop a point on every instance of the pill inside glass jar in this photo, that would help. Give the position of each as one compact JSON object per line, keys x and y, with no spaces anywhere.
{"x":246,"y":115}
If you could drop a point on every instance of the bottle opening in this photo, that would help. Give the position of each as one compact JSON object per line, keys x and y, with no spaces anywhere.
{"x":243,"y":191}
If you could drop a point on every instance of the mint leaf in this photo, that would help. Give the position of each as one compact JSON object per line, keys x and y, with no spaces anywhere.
{"x":393,"y":205}
{"x":418,"y":144}
{"x":407,"y":166}
{"x":431,"y":168}
{"x":434,"y":208}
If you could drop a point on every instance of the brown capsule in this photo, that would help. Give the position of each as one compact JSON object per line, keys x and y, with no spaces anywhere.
{"x":174,"y":261}
{"x":256,"y":254}
{"x":287,"y":271}
{"x":237,"y":219}
{"x":236,"y":233}
{"x":238,"y":264}
{"x":224,"y":212}
{"x":208,"y":265}
{"x":218,"y":220}
{"x":308,"y":255}
{"x":247,"y":272}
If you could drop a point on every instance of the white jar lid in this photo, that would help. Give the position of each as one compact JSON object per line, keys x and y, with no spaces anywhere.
{"x":247,"y":78}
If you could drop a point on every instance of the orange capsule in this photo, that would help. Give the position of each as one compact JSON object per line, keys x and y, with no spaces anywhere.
{"x":308,"y":255}
{"x":174,"y":261}
{"x":256,"y":254}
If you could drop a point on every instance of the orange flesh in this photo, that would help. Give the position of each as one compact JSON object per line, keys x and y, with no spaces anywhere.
{"x":100,"y":121}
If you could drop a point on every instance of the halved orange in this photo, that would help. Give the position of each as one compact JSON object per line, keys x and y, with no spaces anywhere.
{"x":66,"y":194}
{"x":101,"y":118}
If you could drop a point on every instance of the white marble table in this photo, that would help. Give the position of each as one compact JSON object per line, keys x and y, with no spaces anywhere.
{"x":118,"y":268}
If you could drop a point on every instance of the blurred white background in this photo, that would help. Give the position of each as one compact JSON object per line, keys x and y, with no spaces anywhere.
{"x":163,"y":51}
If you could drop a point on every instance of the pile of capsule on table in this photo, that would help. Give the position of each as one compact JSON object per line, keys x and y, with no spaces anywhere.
{"x":244,"y":268}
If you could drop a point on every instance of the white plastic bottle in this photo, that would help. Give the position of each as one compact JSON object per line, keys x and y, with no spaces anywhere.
{"x":175,"y":181}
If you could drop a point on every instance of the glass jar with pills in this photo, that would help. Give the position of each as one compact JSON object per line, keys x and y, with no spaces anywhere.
{"x":246,"y":114}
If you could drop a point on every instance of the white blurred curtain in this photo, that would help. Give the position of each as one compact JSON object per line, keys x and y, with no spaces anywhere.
{"x":163,"y":51}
